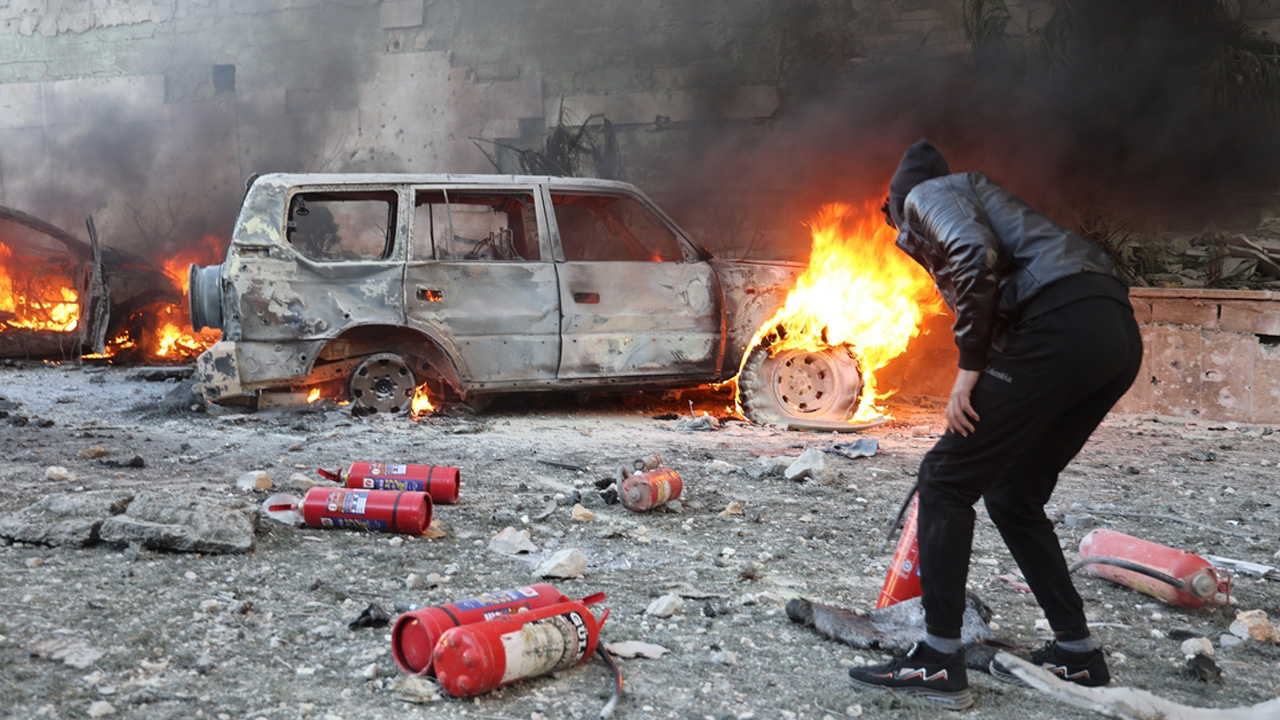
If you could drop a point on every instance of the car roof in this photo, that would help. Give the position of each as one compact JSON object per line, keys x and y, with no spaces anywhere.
{"x":552,"y":182}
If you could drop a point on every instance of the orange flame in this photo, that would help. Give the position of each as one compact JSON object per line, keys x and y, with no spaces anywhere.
{"x":39,"y":298}
{"x":314,"y":395}
{"x":421,"y":402}
{"x":858,"y":289}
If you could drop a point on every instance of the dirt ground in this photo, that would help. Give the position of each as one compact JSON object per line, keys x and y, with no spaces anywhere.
{"x":274,"y":642}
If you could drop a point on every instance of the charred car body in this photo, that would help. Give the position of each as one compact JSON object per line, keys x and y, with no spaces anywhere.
{"x":477,"y":285}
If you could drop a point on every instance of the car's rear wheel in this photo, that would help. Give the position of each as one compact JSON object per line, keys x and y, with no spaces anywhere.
{"x":794,"y":387}
{"x":382,"y":383}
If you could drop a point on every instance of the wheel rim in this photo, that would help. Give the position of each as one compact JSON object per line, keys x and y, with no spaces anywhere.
{"x":382,"y":383}
{"x":804,"y":382}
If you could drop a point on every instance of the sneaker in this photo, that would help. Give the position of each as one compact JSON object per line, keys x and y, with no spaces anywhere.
{"x":924,"y":672}
{"x":1082,"y":668}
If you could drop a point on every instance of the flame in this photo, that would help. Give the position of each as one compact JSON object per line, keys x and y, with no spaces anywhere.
{"x":166,"y":331}
{"x":41,"y":297}
{"x":314,"y":395}
{"x":421,"y":402}
{"x":858,"y":289}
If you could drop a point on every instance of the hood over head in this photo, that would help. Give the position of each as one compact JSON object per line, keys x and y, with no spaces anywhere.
{"x":922,"y":161}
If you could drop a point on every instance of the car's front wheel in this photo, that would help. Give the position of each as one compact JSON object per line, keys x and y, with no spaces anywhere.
{"x":795,"y":387}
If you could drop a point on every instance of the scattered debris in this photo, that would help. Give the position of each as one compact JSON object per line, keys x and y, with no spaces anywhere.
{"x":702,"y":423}
{"x":891,"y":629}
{"x":860,"y":448}
{"x":254,"y":480}
{"x":1125,"y":703}
{"x":1244,"y":567}
{"x":570,"y":563}
{"x":57,"y":473}
{"x":158,"y":520}
{"x":72,"y":652}
{"x":581,"y":514}
{"x":512,"y":542}
{"x":93,"y":452}
{"x":666,"y":606}
{"x":1197,"y":646}
{"x":733,"y":508}
{"x":64,"y":519}
{"x":1253,"y":624}
{"x":1203,"y":668}
{"x":636,"y":649}
{"x":373,"y":616}
{"x":812,"y":464}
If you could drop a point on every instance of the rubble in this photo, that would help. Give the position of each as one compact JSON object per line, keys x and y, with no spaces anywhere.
{"x":159,"y":520}
{"x":64,"y":519}
{"x":512,"y":542}
{"x":569,"y":563}
{"x":812,"y":464}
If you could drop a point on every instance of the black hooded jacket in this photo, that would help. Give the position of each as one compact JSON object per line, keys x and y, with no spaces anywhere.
{"x":995,"y":259}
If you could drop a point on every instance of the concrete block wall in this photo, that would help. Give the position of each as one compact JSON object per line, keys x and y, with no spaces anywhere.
{"x":1209,"y":354}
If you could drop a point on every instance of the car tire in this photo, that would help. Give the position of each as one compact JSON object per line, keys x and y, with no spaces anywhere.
{"x":796,"y":386}
{"x":382,"y":383}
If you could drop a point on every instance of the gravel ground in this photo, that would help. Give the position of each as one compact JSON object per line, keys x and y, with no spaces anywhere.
{"x":265,"y":634}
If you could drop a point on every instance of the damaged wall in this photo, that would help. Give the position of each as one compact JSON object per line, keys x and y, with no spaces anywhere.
{"x":740,"y":117}
{"x":1209,"y":354}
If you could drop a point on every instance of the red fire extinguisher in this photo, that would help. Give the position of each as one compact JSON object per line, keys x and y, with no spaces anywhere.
{"x":383,"y":510}
{"x":648,"y":490}
{"x":476,"y":658}
{"x":415,"y":633}
{"x":439,"y":481}
{"x":1175,"y":576}
{"x":903,"y":580}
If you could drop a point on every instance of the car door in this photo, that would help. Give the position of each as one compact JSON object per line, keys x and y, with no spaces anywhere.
{"x":636,"y":299}
{"x":477,"y":280}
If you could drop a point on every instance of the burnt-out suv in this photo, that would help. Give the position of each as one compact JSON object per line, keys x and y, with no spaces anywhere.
{"x":486,"y":284}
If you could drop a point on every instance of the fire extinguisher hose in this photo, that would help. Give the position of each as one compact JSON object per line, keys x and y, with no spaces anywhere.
{"x":897,"y":519}
{"x":1128,"y":565}
{"x":607,"y":710}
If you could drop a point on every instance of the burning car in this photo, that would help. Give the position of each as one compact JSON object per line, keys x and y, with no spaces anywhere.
{"x":474,"y":285}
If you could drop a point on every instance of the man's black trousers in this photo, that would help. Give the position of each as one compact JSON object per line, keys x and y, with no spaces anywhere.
{"x":1038,"y":401}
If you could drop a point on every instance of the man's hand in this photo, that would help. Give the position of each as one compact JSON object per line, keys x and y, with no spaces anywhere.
{"x":960,"y":413}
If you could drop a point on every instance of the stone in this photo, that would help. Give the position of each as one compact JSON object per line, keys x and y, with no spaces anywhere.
{"x":570,"y":563}
{"x":636,"y":649}
{"x":64,"y":519}
{"x":582,"y":515}
{"x":101,"y":708}
{"x":254,"y":480}
{"x":725,"y":657}
{"x":733,"y":508}
{"x":159,"y":520}
{"x":302,"y":482}
{"x":1228,"y":641}
{"x":72,"y":652}
{"x":370,"y":671}
{"x":512,"y":542}
{"x":767,"y":467}
{"x":1082,"y":521}
{"x":415,"y":689}
{"x":413,"y":582}
{"x":1253,"y":624}
{"x":211,"y":607}
{"x":666,"y":606}
{"x":722,"y":467}
{"x":1197,"y":646}
{"x":812,"y":464}
{"x":57,"y":473}
{"x":93,"y":452}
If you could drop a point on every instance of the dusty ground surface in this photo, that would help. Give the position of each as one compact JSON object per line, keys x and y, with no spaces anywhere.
{"x":275,"y":644}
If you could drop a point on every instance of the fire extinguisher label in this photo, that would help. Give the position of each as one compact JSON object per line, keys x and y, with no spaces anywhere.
{"x":386,"y":483}
{"x":360,"y":524}
{"x":544,"y":646}
{"x":347,"y":503}
{"x":495,"y":598}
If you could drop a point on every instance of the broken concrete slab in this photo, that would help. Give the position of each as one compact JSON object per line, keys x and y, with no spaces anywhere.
{"x":812,"y":463}
{"x":65,"y":519}
{"x":184,"y":523}
{"x":569,"y":563}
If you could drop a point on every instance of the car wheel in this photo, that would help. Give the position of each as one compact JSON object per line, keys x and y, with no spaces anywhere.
{"x":795,"y":387}
{"x":383,"y":383}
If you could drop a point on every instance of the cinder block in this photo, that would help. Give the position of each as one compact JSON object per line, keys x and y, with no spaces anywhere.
{"x":1138,"y":399}
{"x":395,"y":14}
{"x":1226,"y":379}
{"x":1185,"y":311}
{"x":1141,"y":309}
{"x":1259,"y":317}
{"x":1175,"y":370}
{"x":1266,"y":385}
